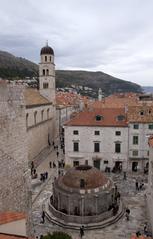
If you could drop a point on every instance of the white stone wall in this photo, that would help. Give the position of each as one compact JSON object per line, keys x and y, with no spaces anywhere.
{"x":86,"y":139}
{"x":150,"y":187}
{"x":143,"y":133}
{"x":37,"y":132}
{"x":64,"y":114}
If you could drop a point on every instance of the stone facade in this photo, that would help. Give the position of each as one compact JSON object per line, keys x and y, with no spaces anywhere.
{"x":150,"y":182}
{"x":41,"y":119}
{"x":40,"y":122}
{"x":138,"y":144}
{"x":14,"y":177}
{"x":106,"y":157}
{"x":83,"y":195}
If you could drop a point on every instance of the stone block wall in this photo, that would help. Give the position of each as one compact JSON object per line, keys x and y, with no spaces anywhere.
{"x":14,"y":176}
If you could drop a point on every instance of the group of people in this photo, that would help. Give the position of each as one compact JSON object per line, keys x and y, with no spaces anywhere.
{"x":146,"y":232}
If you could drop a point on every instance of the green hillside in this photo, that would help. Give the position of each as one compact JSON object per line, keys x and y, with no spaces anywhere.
{"x":12,"y":67}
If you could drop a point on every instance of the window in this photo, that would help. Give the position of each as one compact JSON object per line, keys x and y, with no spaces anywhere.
{"x":45,"y":58}
{"x":35,"y":117}
{"x":135,"y":152}
{"x":43,"y":72}
{"x":135,"y":126}
{"x":76,"y":147}
{"x":47,"y":113}
{"x":75,"y":163}
{"x":120,"y":117}
{"x":97,"y":132}
{"x":76,"y":132}
{"x":148,"y":153}
{"x":96,"y":147}
{"x":117,"y":147}
{"x":42,"y":115}
{"x":105,"y":161}
{"x":27,"y":116}
{"x":118,"y":133}
{"x":45,"y":85}
{"x":50,"y":58}
{"x":141,"y":112}
{"x":135,"y":139}
{"x":47,"y":72}
{"x":150,"y":126}
{"x":86,"y":162}
{"x":99,"y":117}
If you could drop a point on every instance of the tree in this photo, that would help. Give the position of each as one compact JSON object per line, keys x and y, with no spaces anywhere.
{"x":57,"y":235}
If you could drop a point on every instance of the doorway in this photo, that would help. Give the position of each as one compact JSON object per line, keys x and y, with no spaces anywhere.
{"x":96,"y":164}
{"x":134,"y":166}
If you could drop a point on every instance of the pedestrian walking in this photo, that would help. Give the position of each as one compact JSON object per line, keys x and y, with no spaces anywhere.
{"x":137,"y":185}
{"x":50,"y":164}
{"x":81,"y":231}
{"x":46,"y":175}
{"x":124,"y":177}
{"x":127,"y":214}
{"x":145,"y":228}
{"x":43,"y":217}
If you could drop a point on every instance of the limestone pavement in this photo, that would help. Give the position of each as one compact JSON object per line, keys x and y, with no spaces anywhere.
{"x":134,"y":200}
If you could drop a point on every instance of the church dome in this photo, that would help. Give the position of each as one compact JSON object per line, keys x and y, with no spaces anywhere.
{"x":46,"y":50}
{"x":84,"y":177}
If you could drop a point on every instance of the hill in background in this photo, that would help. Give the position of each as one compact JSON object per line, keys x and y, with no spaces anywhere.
{"x":12,"y":67}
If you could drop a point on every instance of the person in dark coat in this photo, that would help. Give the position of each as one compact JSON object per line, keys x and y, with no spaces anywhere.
{"x":43,"y":217}
{"x":81,"y":231}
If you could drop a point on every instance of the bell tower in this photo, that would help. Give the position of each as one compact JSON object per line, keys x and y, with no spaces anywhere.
{"x":47,"y":73}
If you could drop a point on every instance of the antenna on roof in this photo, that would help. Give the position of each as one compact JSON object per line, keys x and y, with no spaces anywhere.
{"x":46,"y":42}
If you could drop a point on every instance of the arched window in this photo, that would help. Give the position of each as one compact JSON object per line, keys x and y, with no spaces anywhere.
{"x":47,"y":72}
{"x":42,"y":115}
{"x":35,"y":117}
{"x":47,"y":113}
{"x":45,"y":58}
{"x":43,"y":72}
{"x":27,"y":115}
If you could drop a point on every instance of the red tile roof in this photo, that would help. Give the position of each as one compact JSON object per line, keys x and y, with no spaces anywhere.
{"x":109,"y":118}
{"x":6,"y":217}
{"x":68,"y":99}
{"x":33,"y":97}
{"x":6,"y":236}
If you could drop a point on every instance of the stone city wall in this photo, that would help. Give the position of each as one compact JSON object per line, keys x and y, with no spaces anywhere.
{"x":13,"y":150}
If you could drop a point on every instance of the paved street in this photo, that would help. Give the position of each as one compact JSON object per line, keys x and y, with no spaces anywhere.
{"x":136,"y":201}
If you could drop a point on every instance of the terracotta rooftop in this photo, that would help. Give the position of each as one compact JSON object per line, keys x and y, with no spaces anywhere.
{"x":68,"y":99}
{"x":109,"y":117}
{"x":140,"y":113}
{"x":117,"y":101}
{"x":33,"y":97}
{"x":6,"y":217}
{"x":5,"y":236}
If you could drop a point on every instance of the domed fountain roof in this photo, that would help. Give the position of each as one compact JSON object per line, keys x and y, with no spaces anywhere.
{"x":86,"y":175}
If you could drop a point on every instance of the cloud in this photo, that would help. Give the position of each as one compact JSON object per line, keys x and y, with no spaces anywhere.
{"x":107,"y":35}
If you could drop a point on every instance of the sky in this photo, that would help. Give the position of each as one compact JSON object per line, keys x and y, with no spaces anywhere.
{"x":113,"y":36}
